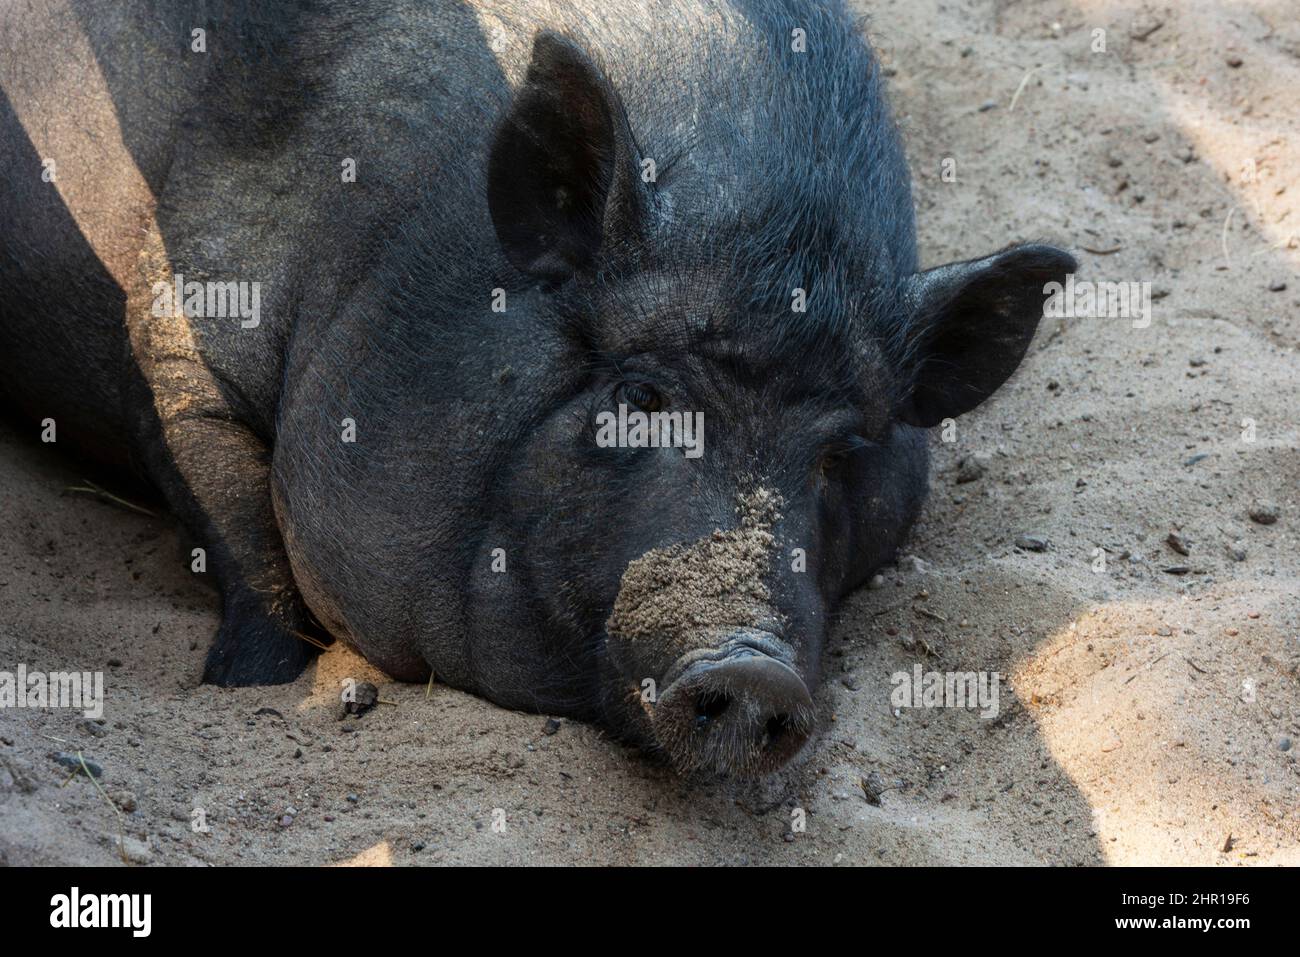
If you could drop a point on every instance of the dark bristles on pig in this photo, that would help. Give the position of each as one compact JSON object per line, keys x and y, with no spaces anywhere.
{"x":452,"y":241}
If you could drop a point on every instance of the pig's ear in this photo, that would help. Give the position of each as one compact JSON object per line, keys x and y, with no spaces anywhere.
{"x":973,"y":321}
{"x":562,"y":176}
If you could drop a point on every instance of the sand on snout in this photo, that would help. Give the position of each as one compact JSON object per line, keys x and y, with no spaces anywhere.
{"x":677,"y":599}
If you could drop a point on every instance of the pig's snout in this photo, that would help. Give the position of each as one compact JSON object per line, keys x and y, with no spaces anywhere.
{"x":740,"y":708}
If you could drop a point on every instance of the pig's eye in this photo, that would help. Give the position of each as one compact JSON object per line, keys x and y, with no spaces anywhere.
{"x":641,"y":396}
{"x":831,"y":463}
{"x":835,"y":456}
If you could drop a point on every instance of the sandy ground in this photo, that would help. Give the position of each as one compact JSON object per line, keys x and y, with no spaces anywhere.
{"x":1146,"y":716}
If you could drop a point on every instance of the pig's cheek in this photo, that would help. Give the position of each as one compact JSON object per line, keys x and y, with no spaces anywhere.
{"x":641,"y":661}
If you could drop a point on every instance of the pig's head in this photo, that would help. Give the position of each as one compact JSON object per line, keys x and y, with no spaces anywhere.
{"x":762,"y":282}
{"x":703,"y":574}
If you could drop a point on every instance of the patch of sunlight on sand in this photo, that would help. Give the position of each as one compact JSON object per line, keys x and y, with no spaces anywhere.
{"x":381,"y":855}
{"x":333,"y":667}
{"x":1250,"y":153}
{"x":1140,"y":722}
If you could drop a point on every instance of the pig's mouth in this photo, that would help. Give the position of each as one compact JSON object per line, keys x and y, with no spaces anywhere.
{"x":738,"y":708}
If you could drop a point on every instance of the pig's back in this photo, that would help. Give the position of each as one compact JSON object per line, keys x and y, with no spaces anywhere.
{"x":91,"y":99}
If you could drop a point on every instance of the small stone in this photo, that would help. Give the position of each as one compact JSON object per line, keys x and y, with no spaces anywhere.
{"x":1234,"y":61}
{"x":988,"y":105}
{"x":125,"y":800}
{"x":971,"y":468}
{"x":1236,"y":553}
{"x":1032,"y":543}
{"x":73,"y":762}
{"x":1143,"y":25}
{"x":1265,"y":513}
{"x":137,"y":851}
{"x":873,"y":787}
{"x":849,"y":683}
{"x":877,"y":582}
{"x":365,"y":697}
{"x":552,"y":725}
{"x":1284,"y":744}
{"x":1277,"y":285}
{"x":286,"y":820}
{"x":1178,"y":543}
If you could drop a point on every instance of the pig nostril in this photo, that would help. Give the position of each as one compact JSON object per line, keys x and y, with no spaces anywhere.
{"x":710,"y":706}
{"x":745,"y":712}
{"x":776,"y":727}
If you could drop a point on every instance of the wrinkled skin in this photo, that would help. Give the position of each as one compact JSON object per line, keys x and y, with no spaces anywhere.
{"x":474,"y":527}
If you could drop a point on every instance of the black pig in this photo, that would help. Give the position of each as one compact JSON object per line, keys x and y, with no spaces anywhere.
{"x":425,"y":254}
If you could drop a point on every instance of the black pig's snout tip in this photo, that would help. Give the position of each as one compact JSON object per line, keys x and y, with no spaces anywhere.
{"x":744,"y":714}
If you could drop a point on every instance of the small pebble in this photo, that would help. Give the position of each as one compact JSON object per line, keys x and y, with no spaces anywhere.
{"x":1032,"y":543}
{"x":137,"y":851}
{"x":73,"y":762}
{"x":873,"y":786}
{"x":365,"y":697}
{"x":970,"y":469}
{"x":1265,"y":513}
